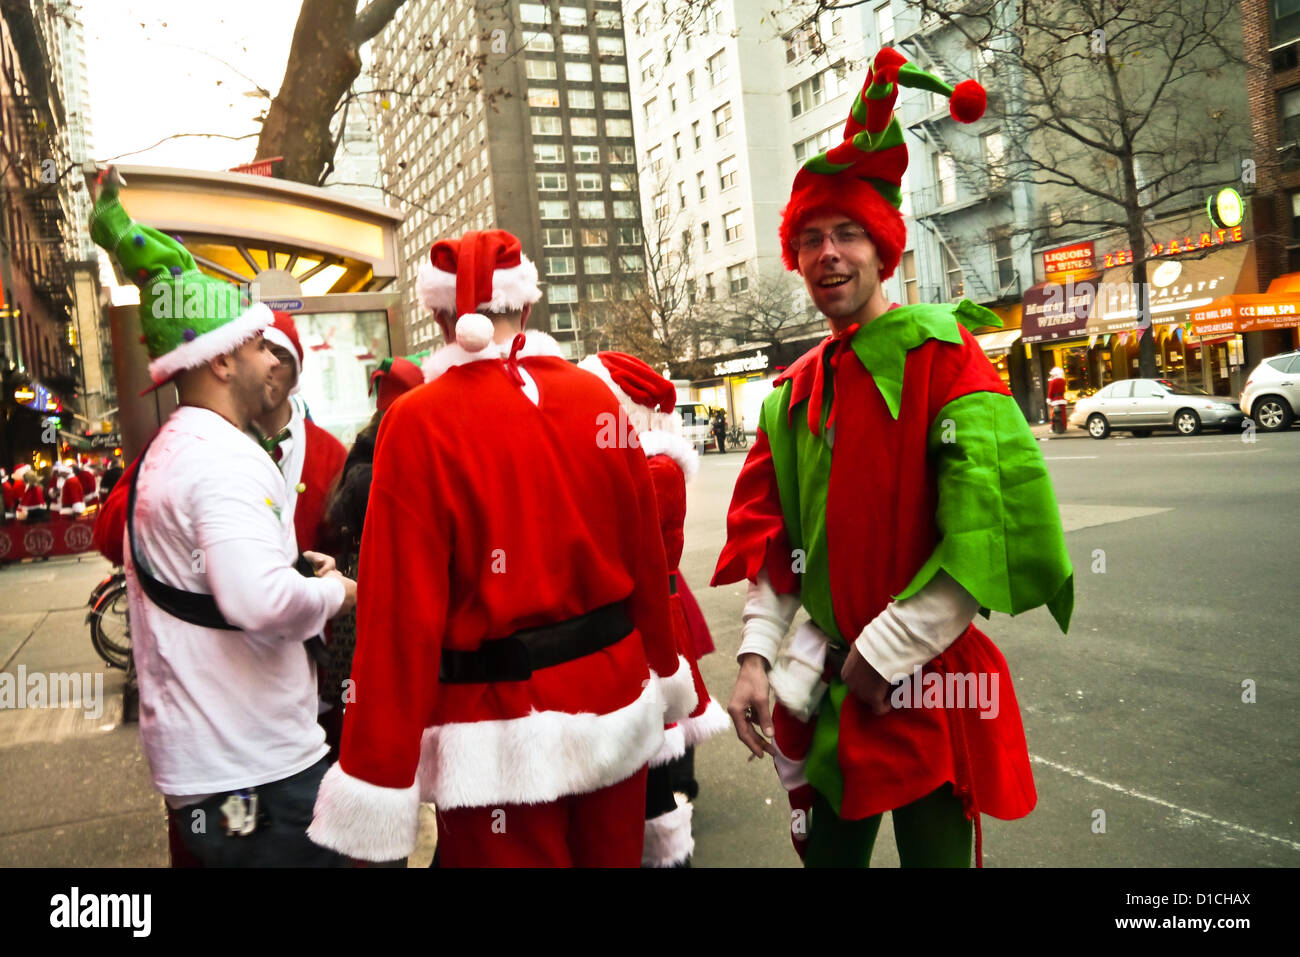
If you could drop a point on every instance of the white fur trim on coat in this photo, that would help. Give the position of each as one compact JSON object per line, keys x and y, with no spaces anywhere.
{"x":711,"y":722}
{"x":541,"y":757}
{"x":789,"y":771}
{"x":536,"y":343}
{"x":668,"y":837}
{"x":219,"y":341}
{"x":363,"y":820}
{"x":642,"y":417}
{"x":512,"y":288}
{"x":674,"y":747}
{"x":673,"y":445}
{"x":680,"y":697}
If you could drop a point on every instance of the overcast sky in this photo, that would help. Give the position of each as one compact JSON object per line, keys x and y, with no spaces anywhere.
{"x":155,"y":70}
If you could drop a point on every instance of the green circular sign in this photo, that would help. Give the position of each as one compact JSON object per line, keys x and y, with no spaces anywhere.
{"x":1226,"y":208}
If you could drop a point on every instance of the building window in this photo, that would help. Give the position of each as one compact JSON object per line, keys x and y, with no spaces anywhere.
{"x":732,"y":227}
{"x":806,"y":95}
{"x":609,"y":20}
{"x":1003,"y":263}
{"x":552,"y":182}
{"x":573,"y":17}
{"x":690,"y":87}
{"x":820,"y":143}
{"x":722,"y":120}
{"x":1295,"y":215}
{"x":629,"y":235}
{"x":737,"y":278}
{"x":910,"y":294}
{"x":575,"y":44}
{"x":622,"y":182}
{"x":837,"y":26}
{"x":619,"y":155}
{"x":554,"y":209}
{"x":615,"y":73}
{"x":651,"y":111}
{"x":541,"y":42}
{"x":594,"y":237}
{"x":609,"y":46}
{"x":952,"y":271}
{"x":704,"y":236}
{"x":562,"y":318}
{"x":589,"y":182}
{"x":677,"y":145}
{"x":582,"y":99}
{"x":534,"y":13}
{"x":884,"y":25}
{"x":672,"y":97}
{"x":548,"y":153}
{"x":945,"y":179}
{"x":540,"y":69}
{"x":619,"y":128}
{"x":994,"y":149}
{"x":553,"y":237}
{"x":727,"y":173}
{"x":561,"y":294}
{"x":645,"y":63}
{"x":595,"y":265}
{"x":654,"y":158}
{"x":1288,"y":112}
{"x":543,"y":97}
{"x":591,"y":209}
{"x":624,"y":209}
{"x":616,"y":100}
{"x":584,"y":154}
{"x":598,"y":291}
{"x":660,"y":205}
{"x":631,"y":262}
{"x":577,"y":72}
{"x":717,"y":66}
{"x":695,"y":134}
{"x":709,"y":292}
{"x":560,"y":266}
{"x":582,"y":125}
{"x":546,"y":125}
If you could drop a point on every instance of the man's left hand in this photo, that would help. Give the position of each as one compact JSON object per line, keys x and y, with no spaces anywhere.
{"x":321,"y":564}
{"x":866,"y":682}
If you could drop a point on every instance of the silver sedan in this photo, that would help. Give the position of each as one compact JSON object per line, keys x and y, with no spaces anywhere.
{"x":1142,"y":405}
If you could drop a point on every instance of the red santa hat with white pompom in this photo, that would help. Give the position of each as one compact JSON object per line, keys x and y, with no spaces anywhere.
{"x":284,"y":334}
{"x":485,"y":271}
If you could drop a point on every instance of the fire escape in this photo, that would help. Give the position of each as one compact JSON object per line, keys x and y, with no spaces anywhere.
{"x":976,"y":186}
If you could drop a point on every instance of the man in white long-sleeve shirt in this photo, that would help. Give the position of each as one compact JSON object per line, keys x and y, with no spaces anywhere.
{"x":219,"y":613}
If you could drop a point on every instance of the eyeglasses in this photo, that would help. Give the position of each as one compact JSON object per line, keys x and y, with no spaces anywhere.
{"x":842,"y":238}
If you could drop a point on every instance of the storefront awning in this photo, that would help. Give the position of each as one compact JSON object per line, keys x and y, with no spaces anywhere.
{"x":1056,"y":310}
{"x":1178,"y":287}
{"x":1279,"y":308}
{"x":998,"y":343}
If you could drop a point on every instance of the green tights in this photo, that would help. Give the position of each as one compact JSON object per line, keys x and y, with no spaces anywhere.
{"x":932,"y":831}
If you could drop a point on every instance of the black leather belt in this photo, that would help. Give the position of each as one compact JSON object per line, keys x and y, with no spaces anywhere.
{"x":517,"y":656}
{"x":836,"y":655}
{"x":672,"y":583}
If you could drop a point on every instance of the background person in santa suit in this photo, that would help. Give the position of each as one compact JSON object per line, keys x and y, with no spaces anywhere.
{"x":10,"y":498}
{"x":308,"y":456}
{"x":1056,"y":397}
{"x":32,"y":504}
{"x":649,"y":400}
{"x":893,"y":490}
{"x":515,"y":643}
{"x":89,"y":485}
{"x":71,"y":497}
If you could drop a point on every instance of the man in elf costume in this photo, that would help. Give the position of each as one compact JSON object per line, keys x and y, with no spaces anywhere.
{"x":515,"y":660}
{"x":893,"y":491}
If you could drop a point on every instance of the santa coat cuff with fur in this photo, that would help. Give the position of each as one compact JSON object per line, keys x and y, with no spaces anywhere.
{"x":363,"y":820}
{"x":668,"y":838}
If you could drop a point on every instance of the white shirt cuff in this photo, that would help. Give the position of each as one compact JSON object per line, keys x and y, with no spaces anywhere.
{"x":767,"y":618}
{"x":909,"y":633}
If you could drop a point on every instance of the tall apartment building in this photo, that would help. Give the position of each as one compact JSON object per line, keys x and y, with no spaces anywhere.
{"x":538,"y":140}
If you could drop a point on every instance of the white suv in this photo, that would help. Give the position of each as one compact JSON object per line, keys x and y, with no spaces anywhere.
{"x":1272,"y":393}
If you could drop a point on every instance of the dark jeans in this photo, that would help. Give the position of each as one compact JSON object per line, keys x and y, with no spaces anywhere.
{"x":284,"y":810}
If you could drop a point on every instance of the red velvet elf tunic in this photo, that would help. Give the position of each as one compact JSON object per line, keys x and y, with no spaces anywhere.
{"x":883,"y":456}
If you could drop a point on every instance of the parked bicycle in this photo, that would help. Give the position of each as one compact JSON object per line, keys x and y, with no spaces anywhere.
{"x":110,"y":624}
{"x":736,"y":436}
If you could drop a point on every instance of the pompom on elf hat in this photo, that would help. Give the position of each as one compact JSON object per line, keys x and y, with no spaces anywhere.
{"x":188,"y":317}
{"x":862,"y":177}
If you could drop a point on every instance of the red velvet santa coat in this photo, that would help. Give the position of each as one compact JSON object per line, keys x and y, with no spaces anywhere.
{"x":490,"y":514}
{"x":71,"y":496}
{"x":33,"y":497}
{"x":673,"y":462}
{"x":321,"y":465}
{"x":89,"y":487}
{"x":1056,"y":390}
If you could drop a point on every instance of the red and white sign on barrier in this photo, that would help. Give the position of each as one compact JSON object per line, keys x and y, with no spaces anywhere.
{"x":58,"y":536}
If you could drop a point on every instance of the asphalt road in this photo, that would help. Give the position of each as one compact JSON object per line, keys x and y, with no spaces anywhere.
{"x":1185,"y":553}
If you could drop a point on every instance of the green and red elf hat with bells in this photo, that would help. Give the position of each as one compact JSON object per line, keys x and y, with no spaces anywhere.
{"x":484,"y":270}
{"x":862,"y":177}
{"x":188,"y":317}
{"x":394,"y":377}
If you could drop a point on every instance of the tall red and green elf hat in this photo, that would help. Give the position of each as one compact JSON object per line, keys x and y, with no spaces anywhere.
{"x":862,"y":177}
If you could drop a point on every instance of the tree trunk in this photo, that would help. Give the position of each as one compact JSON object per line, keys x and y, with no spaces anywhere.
{"x":323,"y":62}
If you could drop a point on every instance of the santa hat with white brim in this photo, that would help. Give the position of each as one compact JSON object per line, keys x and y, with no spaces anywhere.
{"x":283,"y":333}
{"x":481,"y":271}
